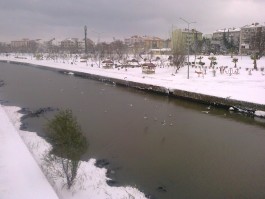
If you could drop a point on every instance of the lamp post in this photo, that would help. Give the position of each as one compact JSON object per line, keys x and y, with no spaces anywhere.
{"x":188,"y":23}
{"x":85,"y":29}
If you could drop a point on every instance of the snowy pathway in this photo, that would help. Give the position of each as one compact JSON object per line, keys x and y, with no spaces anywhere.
{"x":20,"y":176}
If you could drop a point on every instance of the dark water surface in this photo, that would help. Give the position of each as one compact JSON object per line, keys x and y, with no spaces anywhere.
{"x":166,"y":147}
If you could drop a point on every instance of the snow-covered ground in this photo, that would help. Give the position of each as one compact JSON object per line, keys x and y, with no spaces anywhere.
{"x":21,"y":175}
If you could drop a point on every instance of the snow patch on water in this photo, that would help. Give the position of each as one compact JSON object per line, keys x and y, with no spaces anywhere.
{"x":260,"y":113}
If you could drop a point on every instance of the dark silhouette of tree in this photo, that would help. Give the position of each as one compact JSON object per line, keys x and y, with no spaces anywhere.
{"x":235,"y":60}
{"x":206,"y":46}
{"x":257,"y":43}
{"x":229,"y":43}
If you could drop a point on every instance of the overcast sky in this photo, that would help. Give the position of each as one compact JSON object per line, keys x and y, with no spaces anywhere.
{"x":121,"y":18}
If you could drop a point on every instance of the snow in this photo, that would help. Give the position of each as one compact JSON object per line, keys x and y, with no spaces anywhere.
{"x":260,"y":113}
{"x":22,"y":178}
{"x":20,"y":175}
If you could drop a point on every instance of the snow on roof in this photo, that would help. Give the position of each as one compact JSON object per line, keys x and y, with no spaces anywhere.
{"x":228,"y":30}
{"x":208,"y":36}
{"x":253,"y":25}
{"x":191,"y":31}
{"x":107,"y":61}
{"x":150,"y":65}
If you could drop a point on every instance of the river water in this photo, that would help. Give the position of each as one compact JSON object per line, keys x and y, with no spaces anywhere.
{"x":166,"y":147}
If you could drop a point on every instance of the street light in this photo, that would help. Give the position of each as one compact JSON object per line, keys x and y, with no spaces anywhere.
{"x":85,"y":29}
{"x":188,"y":44}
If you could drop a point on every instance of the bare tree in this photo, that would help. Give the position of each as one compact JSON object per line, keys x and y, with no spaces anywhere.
{"x":137,"y":50}
{"x":118,"y":49}
{"x":178,"y":51}
{"x":179,"y":57}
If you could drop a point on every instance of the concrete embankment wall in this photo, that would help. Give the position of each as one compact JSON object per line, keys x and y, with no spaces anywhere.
{"x":187,"y":95}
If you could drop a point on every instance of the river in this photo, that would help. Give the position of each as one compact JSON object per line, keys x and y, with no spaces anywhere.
{"x":167,"y":147}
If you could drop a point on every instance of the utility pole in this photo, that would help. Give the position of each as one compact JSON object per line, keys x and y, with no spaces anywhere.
{"x":85,"y":29}
{"x":188,"y":23}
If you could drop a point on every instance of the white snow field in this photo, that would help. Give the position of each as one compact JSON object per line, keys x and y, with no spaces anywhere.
{"x":20,"y":175}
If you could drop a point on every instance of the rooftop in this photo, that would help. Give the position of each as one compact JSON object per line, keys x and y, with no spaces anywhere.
{"x":228,"y":30}
{"x":253,"y":25}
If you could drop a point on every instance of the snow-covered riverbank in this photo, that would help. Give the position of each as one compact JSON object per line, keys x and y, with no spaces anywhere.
{"x":22,"y":178}
{"x":244,"y":86}
{"x":20,"y":175}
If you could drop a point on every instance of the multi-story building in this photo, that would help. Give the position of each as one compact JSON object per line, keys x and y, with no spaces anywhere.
{"x":145,"y":43}
{"x":74,"y":45}
{"x":24,"y":45}
{"x":247,"y":36}
{"x":20,"y":43}
{"x":226,"y":38}
{"x":153,"y":42}
{"x":69,"y":43}
{"x":135,"y":39}
{"x":185,"y":38}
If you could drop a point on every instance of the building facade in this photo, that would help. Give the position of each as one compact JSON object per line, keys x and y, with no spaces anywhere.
{"x":135,"y":39}
{"x":247,"y":37}
{"x":145,"y":43}
{"x":24,"y":45}
{"x":185,"y":39}
{"x":226,"y":39}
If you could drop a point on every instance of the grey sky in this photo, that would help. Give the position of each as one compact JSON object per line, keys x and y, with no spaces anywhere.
{"x":121,"y":18}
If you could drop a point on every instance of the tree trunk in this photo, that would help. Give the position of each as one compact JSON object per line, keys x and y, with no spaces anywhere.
{"x":255,"y":64}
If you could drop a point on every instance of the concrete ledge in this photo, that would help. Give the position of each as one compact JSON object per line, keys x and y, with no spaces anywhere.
{"x":191,"y":96}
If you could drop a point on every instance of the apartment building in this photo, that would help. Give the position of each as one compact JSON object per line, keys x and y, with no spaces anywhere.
{"x":151,"y":42}
{"x":185,"y":38}
{"x":24,"y":45}
{"x":20,"y":43}
{"x":146,"y":43}
{"x":223,"y":38}
{"x":247,"y":35}
{"x":133,"y":40}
